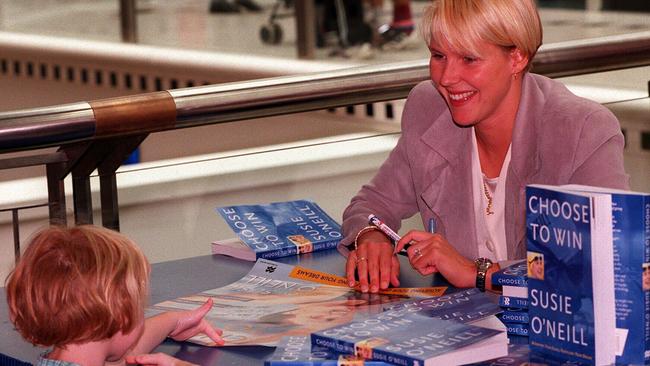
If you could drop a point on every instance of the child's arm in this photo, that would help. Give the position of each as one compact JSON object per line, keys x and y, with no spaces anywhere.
{"x":158,"y":359}
{"x":178,"y":325}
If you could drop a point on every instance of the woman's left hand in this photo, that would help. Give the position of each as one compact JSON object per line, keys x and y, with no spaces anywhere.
{"x":430,"y":253}
{"x":192,"y":322}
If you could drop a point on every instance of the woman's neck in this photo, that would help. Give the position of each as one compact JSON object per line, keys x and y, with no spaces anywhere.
{"x":494,"y":135}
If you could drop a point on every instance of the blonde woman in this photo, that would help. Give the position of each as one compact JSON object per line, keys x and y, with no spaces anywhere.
{"x":472,"y":138}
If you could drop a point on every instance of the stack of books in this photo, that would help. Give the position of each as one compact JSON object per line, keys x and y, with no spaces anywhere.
{"x":513,"y":281}
{"x":453,"y":329}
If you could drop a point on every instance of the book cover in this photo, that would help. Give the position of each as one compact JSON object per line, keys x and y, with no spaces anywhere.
{"x":514,"y":275}
{"x":297,"y":351}
{"x":513,"y":302}
{"x":631,"y":234}
{"x":275,"y":300}
{"x":463,"y":306}
{"x":570,"y":274}
{"x":509,"y":316}
{"x":520,"y":355}
{"x":404,"y":338}
{"x":279,"y":229}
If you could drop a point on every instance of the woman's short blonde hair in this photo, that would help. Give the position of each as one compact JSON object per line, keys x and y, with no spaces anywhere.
{"x":75,"y":285}
{"x":462,"y":24}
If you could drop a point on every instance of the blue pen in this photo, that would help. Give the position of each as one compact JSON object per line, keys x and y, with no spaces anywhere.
{"x":432,"y":226}
{"x":432,"y":230}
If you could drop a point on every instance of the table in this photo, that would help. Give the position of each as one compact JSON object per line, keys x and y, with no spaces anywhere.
{"x":182,"y":277}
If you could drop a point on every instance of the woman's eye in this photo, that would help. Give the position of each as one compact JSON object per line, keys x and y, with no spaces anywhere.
{"x":469,"y":59}
{"x":437,"y":56}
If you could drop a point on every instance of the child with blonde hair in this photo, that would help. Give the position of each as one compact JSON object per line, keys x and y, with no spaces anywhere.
{"x":82,"y":292}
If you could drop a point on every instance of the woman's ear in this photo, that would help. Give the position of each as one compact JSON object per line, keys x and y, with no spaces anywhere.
{"x":519,"y":61}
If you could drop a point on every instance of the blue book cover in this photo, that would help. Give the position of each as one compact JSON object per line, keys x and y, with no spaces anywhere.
{"x":514,"y":275}
{"x":520,"y":355}
{"x":570,"y":274}
{"x":509,"y":316}
{"x":631,"y":233}
{"x":297,"y":351}
{"x":513,"y":302}
{"x":282,"y":228}
{"x":463,"y":306}
{"x":403,"y":338}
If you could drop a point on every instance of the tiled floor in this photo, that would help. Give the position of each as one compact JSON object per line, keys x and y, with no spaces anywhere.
{"x":188,"y":24}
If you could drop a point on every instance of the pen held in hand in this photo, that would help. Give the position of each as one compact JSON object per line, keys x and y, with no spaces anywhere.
{"x":374,"y":220}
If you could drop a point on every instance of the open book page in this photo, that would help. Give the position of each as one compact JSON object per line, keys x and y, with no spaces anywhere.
{"x":275,"y":300}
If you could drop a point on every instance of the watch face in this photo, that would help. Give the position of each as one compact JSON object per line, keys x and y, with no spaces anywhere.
{"x":483,"y":263}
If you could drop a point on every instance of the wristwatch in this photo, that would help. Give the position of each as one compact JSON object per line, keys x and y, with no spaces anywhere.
{"x":482,"y":265}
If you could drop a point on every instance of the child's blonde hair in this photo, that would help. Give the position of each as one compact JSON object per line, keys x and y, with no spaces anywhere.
{"x":75,"y":285}
{"x":462,"y":24}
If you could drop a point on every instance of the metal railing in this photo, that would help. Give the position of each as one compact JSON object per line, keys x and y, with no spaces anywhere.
{"x":100,"y":134}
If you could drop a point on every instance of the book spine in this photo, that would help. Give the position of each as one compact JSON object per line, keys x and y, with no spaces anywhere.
{"x":336,"y":345}
{"x":395,"y":359}
{"x":513,"y":302}
{"x":515,"y":317}
{"x":324,"y":245}
{"x":277,"y":253}
{"x":519,"y":281}
{"x":646,"y":261}
{"x":517,"y":329}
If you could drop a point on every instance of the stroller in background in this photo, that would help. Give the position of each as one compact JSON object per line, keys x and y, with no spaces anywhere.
{"x":343,"y":19}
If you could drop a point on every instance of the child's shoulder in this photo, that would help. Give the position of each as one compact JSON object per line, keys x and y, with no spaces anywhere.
{"x":44,"y":361}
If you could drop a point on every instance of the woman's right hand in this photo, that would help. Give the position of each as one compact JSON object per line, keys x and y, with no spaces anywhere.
{"x":374,"y":261}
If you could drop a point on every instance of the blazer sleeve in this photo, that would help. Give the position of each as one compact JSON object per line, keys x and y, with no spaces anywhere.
{"x":599,"y":153}
{"x":390,"y":194}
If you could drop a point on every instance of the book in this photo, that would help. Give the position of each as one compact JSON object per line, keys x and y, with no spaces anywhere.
{"x":510,"y":302}
{"x":513,"y":275}
{"x":463,"y":306}
{"x":509,"y":316}
{"x":517,"y":329}
{"x":519,"y":354}
{"x":297,"y":351}
{"x":631,"y":235}
{"x":515,"y":291}
{"x":275,"y":300}
{"x":404,"y":338}
{"x":277,"y":229}
{"x":570,"y":274}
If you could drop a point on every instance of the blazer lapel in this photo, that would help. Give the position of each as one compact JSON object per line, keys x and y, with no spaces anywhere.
{"x":524,"y":164}
{"x":448,"y":194}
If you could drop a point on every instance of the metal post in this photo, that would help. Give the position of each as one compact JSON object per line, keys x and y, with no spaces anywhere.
{"x":128,"y":21}
{"x":83,"y":205}
{"x":56,"y":193}
{"x":305,"y":28}
{"x":14,"y":219}
{"x":594,"y":5}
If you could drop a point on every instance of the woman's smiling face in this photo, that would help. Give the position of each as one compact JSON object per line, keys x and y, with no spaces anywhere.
{"x":476,"y":87}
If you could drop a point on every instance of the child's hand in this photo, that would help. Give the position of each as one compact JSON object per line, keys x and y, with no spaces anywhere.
{"x":190,"y":323}
{"x":156,"y":359}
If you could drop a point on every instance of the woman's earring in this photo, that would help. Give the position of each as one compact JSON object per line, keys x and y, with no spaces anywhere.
{"x":514,"y":76}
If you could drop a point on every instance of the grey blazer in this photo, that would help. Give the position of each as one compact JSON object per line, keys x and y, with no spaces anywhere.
{"x":558,"y":138}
